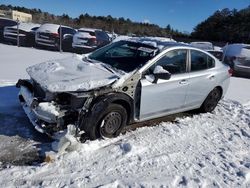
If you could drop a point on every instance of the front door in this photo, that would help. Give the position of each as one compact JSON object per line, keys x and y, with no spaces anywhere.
{"x":161,"y":97}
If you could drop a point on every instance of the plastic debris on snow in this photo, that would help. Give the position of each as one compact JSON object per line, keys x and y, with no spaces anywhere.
{"x":66,"y":141}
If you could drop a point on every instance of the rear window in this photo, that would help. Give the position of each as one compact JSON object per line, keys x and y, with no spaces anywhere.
{"x":66,"y":30}
{"x":247,"y":47}
{"x":92,"y":33}
{"x":4,"y":22}
{"x":102,"y":35}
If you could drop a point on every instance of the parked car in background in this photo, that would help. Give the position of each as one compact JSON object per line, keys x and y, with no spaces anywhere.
{"x":26,"y":32}
{"x":3,"y":23}
{"x":111,"y":35}
{"x":87,"y":40}
{"x":216,"y":53}
{"x":209,"y":47}
{"x":124,"y":82}
{"x":203,"y":45}
{"x":238,"y":57}
{"x":48,"y":35}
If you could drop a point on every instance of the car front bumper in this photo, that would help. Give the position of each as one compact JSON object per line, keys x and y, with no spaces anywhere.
{"x":45,"y":116}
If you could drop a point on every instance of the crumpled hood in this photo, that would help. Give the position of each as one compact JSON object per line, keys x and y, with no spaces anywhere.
{"x":71,"y":74}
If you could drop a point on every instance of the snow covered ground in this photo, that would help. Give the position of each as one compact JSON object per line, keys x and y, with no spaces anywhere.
{"x":198,"y":150}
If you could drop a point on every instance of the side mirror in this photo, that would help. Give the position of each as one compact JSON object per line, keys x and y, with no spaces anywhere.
{"x":163,"y":76}
{"x":160,"y":73}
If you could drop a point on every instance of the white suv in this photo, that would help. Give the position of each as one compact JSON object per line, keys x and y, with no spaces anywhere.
{"x":87,"y":39}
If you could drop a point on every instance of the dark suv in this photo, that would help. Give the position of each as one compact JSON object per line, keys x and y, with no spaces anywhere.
{"x":48,"y":35}
{"x":25,"y":31}
{"x":3,"y":23}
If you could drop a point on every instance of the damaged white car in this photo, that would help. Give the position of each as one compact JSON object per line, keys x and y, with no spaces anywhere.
{"x":128,"y":81}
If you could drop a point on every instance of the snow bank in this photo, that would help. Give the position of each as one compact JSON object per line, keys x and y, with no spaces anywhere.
{"x":239,"y":90}
{"x":205,"y":150}
{"x":200,"y":150}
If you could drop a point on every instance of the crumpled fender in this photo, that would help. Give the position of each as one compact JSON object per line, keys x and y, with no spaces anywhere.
{"x":99,"y":104}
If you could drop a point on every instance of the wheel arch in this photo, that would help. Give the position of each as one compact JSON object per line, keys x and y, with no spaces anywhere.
{"x":117,"y":98}
{"x":220,"y":89}
{"x":99,"y":104}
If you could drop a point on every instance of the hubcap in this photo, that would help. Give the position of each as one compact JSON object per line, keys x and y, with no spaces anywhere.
{"x":110,"y":124}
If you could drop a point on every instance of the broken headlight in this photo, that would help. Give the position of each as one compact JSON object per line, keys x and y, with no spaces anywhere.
{"x":73,"y":100}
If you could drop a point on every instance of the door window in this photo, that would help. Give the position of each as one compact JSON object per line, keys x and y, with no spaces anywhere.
{"x":174,"y":61}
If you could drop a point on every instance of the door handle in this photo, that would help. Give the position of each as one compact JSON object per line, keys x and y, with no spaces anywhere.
{"x":211,"y":77}
{"x":183,"y":82}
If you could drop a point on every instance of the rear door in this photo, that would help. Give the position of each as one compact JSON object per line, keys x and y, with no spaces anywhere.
{"x":202,"y":78}
{"x":165,"y":96}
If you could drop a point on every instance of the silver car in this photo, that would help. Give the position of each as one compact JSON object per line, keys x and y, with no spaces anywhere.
{"x":238,"y":57}
{"x":127,"y":81}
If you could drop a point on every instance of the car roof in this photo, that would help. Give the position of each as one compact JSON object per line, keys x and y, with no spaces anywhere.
{"x":3,"y":18}
{"x":201,"y":42}
{"x":25,"y":26}
{"x":235,"y":49}
{"x":156,"y":42}
{"x":51,"y":27}
{"x":89,"y":29}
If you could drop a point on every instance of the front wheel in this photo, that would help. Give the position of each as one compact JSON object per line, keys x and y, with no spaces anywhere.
{"x":105,"y":122}
{"x":113,"y":121}
{"x":211,"y":101}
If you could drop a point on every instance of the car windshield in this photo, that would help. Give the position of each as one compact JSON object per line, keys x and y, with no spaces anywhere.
{"x":124,"y":55}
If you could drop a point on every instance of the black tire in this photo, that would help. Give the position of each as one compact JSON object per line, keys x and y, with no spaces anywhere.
{"x":211,"y":101}
{"x":105,"y":122}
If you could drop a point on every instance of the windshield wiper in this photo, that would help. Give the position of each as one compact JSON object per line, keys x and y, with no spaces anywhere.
{"x":107,"y":67}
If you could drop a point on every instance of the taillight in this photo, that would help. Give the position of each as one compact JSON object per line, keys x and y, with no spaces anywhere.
{"x":55,"y":34}
{"x":230,"y":71}
{"x":92,"y":41}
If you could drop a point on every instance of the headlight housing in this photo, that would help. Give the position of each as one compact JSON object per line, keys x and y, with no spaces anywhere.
{"x":74,"y":100}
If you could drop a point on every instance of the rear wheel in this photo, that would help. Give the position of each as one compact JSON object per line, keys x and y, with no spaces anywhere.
{"x":211,"y":101}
